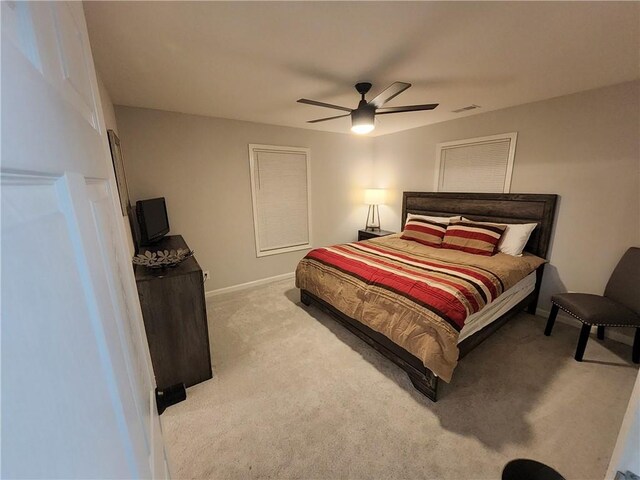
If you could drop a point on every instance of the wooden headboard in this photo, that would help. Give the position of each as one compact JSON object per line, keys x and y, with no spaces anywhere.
{"x":490,"y":207}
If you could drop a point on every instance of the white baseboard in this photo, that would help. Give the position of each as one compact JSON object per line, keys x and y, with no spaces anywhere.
{"x":614,"y":333}
{"x":244,"y":286}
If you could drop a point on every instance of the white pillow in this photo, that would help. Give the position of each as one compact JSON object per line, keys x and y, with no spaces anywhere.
{"x":442,"y":220}
{"x":514,"y":238}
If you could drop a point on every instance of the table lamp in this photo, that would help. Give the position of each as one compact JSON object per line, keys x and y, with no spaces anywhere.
{"x":373,"y":197}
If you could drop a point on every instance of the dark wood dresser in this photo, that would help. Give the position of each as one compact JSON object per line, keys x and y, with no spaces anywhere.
{"x":175,"y":318}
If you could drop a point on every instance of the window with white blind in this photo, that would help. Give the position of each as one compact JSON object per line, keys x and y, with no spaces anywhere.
{"x":281,"y":199}
{"x":483,"y":164}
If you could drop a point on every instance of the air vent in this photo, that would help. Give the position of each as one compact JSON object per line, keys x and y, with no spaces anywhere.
{"x":464,"y":109}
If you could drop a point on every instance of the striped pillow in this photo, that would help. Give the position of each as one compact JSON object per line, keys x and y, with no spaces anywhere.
{"x":473,"y":238}
{"x":424,"y":231}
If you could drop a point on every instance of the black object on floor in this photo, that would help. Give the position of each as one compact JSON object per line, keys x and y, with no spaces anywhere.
{"x":170,"y":396}
{"x":524,"y":469}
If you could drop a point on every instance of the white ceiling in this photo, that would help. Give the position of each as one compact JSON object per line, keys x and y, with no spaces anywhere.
{"x":252,"y":61}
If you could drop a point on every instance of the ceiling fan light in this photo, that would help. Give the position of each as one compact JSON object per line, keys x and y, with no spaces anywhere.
{"x":362,"y":129}
{"x":362,"y":120}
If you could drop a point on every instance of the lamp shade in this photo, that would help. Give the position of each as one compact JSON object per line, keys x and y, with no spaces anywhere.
{"x":374,"y":196}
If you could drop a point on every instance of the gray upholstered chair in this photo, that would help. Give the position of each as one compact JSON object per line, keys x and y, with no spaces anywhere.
{"x":619,"y":307}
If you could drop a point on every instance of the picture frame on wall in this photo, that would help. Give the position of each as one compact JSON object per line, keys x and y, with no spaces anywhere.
{"x":118,"y":167}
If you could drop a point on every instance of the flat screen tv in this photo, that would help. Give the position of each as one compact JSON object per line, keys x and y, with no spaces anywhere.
{"x":153,"y":220}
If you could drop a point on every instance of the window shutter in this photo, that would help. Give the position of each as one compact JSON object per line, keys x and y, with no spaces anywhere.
{"x":476,"y":165}
{"x":281,"y":199}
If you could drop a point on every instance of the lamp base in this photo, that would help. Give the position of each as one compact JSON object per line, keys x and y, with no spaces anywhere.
{"x":373,"y":219}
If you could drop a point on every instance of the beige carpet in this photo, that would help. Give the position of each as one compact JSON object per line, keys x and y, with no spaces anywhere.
{"x":294,"y":395}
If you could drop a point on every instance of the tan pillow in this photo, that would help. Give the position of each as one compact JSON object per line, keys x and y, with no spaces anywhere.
{"x":443,"y":220}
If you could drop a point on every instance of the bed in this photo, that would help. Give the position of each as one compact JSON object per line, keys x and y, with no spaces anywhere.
{"x":417,"y":326}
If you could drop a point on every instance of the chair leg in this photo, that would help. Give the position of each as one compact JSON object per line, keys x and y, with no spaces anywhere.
{"x":582,"y":341}
{"x":635,"y":356}
{"x":600,"y":333}
{"x":552,"y":319}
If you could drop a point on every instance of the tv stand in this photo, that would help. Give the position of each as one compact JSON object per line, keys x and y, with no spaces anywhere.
{"x":175,"y":318}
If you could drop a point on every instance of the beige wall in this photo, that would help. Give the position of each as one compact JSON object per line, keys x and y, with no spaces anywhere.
{"x":583,"y":147}
{"x":110,"y":122}
{"x":107,"y":107}
{"x":201,"y":165}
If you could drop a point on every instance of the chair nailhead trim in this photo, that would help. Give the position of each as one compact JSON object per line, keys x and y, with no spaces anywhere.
{"x":592,"y":324}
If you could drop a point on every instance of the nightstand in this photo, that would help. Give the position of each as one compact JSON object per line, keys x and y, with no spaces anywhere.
{"x":367,"y":234}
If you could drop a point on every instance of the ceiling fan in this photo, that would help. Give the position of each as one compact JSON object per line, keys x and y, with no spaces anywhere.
{"x":363,"y":117}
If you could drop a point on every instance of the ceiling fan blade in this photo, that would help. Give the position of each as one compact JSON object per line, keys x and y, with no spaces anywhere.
{"x":407,"y":108}
{"x":328,"y":118}
{"x":388,"y":93}
{"x":322,"y":104}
